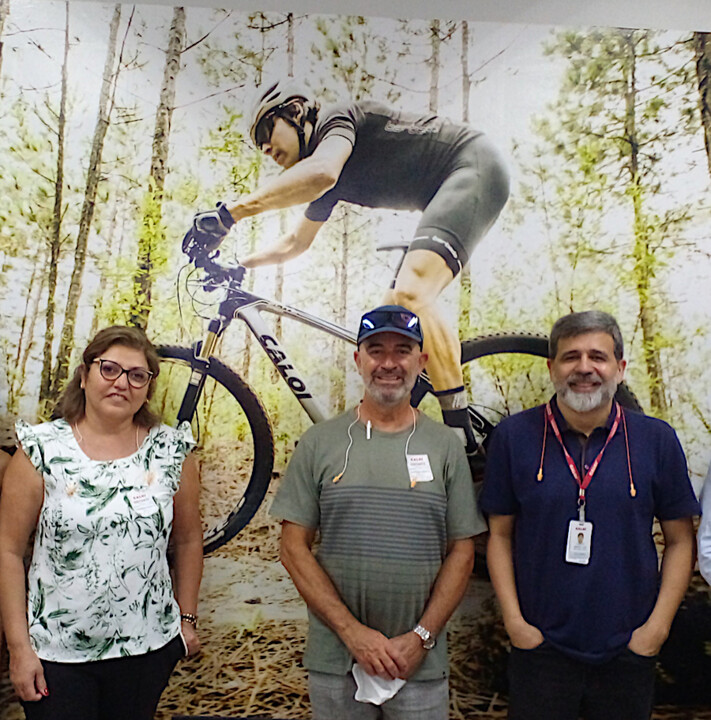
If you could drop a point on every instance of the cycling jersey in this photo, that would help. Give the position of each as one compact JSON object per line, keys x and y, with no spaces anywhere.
{"x":415,"y":162}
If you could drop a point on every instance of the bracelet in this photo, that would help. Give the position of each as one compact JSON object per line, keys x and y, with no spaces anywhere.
{"x":189,"y":618}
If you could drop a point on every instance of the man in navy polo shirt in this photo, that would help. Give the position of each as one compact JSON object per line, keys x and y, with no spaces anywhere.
{"x":571,"y":489}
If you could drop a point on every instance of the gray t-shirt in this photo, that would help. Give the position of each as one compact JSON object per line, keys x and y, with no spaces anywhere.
{"x":382,"y":538}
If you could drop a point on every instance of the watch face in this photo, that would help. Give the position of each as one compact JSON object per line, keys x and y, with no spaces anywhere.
{"x":429,"y":643}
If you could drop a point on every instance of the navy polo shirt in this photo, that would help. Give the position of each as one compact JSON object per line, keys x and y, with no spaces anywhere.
{"x":586,"y":611}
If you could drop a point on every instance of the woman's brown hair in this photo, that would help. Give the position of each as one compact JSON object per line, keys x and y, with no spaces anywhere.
{"x":72,"y":403}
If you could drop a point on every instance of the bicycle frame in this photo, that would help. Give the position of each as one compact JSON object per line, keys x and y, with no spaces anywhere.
{"x":251,"y":314}
{"x":249,"y":307}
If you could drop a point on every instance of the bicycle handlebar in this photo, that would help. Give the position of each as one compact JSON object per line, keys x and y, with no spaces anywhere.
{"x":206,"y":259}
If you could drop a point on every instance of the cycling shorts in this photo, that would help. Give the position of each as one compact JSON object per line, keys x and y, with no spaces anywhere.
{"x":466,"y":204}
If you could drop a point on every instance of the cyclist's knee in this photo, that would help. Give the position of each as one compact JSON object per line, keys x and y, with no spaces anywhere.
{"x":422,"y":277}
{"x":408,"y":297}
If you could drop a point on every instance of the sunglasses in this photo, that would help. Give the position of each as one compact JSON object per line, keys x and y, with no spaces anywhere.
{"x":263,"y":132}
{"x":403,"y":320}
{"x":138,"y":377}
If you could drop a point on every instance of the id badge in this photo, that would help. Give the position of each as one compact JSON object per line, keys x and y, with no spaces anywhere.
{"x":419,"y":469}
{"x":142,"y":502}
{"x":579,"y":542}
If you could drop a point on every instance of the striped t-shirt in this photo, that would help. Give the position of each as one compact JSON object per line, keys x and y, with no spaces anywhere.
{"x":382,"y":541}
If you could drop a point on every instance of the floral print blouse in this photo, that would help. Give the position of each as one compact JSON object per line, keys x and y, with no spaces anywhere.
{"x":99,"y":586}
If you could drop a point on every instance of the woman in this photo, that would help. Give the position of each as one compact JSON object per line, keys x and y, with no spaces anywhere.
{"x":106,"y":487}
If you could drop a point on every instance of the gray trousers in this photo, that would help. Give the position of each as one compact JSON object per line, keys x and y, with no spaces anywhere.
{"x":332,"y":698}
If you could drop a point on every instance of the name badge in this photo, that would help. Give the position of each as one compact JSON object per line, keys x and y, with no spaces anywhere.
{"x":418,"y":468}
{"x":579,"y":542}
{"x":142,"y":502}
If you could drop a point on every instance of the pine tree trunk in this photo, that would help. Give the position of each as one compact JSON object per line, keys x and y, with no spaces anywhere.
{"x":152,"y":235}
{"x":15,"y":374}
{"x":702,"y":48}
{"x":465,"y":289}
{"x":338,"y":388}
{"x":24,"y":346}
{"x":106,"y":287}
{"x":279,"y":297}
{"x":4,"y":12}
{"x":645,"y":262}
{"x":279,"y":279}
{"x":93,"y":176}
{"x":435,"y":42}
{"x":45,"y":397}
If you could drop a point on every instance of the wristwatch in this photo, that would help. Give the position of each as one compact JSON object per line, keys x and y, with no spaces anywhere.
{"x":428,"y":639}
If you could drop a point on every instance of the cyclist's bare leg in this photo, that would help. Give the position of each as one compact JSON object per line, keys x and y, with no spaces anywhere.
{"x":421,"y":279}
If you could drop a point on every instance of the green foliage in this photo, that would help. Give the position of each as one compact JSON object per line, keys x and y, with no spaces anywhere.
{"x":605,"y":159}
{"x":353,"y":57}
{"x":228,"y":146}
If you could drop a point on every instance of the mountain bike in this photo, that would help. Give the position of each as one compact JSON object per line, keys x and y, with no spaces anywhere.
{"x":235,"y":440}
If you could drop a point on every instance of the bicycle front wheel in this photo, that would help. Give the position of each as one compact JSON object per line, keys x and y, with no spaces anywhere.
{"x":235,"y":448}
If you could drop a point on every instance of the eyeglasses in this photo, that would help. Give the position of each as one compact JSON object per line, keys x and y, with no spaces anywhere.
{"x":396,"y":320}
{"x":138,"y":377}
{"x":263,"y":131}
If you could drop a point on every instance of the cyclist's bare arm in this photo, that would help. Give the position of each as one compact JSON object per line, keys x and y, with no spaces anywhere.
{"x":305,"y":181}
{"x":287,"y":247}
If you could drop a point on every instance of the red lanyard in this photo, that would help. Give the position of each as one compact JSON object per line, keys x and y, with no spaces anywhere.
{"x":585,"y":481}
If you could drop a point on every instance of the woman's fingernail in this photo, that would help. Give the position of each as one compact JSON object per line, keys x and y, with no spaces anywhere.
{"x":45,"y":692}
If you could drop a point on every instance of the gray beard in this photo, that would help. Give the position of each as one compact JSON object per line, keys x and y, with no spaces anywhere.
{"x":390,"y":397}
{"x":585,"y":402}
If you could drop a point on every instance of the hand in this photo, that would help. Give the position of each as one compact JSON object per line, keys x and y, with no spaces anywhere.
{"x":209,"y":228}
{"x":27,"y":675}
{"x":410,"y":651}
{"x":647,"y":640}
{"x":523,"y":635}
{"x":191,"y":638}
{"x":373,"y":652}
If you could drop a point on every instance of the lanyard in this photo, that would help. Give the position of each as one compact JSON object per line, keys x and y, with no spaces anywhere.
{"x":584,"y":481}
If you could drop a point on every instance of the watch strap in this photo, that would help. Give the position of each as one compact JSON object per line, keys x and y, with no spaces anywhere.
{"x":428,"y":639}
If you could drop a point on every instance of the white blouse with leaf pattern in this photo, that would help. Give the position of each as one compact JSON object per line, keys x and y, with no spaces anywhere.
{"x":99,"y":583}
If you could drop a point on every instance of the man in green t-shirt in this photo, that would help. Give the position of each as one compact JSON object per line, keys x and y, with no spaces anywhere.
{"x":390,"y":493}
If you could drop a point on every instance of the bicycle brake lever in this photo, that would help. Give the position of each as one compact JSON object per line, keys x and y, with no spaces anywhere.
{"x":218,"y":274}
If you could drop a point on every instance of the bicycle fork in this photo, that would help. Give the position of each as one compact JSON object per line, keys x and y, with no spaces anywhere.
{"x":202,"y":351}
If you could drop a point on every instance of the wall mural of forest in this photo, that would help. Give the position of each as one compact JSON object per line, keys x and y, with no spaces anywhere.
{"x":118,"y":122}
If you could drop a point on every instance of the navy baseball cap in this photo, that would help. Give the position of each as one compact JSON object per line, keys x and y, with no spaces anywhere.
{"x":390,"y":318}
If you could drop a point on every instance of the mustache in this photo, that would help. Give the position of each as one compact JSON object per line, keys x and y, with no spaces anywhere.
{"x":389,"y":373}
{"x":583,"y":377}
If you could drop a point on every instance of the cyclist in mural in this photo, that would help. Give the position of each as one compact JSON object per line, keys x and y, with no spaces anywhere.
{"x":369,"y":154}
{"x":390,"y":494}
{"x":586,"y":619}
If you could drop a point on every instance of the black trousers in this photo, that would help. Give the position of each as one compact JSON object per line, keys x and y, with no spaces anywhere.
{"x":545,"y":684}
{"x":126,"y":688}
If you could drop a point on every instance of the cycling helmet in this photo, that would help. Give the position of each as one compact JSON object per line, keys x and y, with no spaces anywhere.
{"x":272,"y":96}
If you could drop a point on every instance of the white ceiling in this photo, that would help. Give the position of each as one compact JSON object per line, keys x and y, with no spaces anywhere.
{"x":671,"y":14}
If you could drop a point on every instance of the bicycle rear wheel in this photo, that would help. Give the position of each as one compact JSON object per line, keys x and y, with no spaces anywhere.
{"x":235,"y":448}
